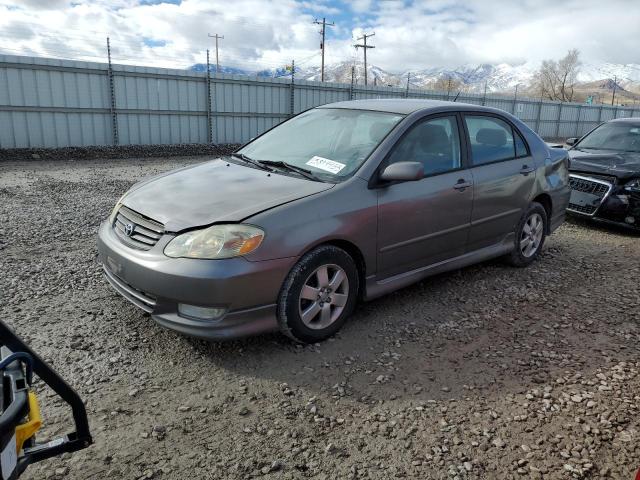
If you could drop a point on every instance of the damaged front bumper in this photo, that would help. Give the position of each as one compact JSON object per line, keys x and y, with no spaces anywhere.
{"x":602,"y":199}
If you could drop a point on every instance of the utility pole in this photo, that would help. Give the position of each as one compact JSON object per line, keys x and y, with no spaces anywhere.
{"x":322,"y":32}
{"x":365,"y":46}
{"x":615,"y":83}
{"x":112,"y":97}
{"x":292,"y":95}
{"x":484,"y":96}
{"x":406,"y":95}
{"x":209,"y":118}
{"x":353,"y":71}
{"x":221,"y":37}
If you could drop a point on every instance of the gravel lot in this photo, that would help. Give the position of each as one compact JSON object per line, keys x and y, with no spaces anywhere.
{"x":488,"y":372}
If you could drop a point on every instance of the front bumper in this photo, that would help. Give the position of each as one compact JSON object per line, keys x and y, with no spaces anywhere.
{"x":621,"y":208}
{"x":616,"y":205}
{"x":247,"y":290}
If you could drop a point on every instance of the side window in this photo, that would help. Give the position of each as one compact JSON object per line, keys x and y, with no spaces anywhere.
{"x":521,"y":148}
{"x":435,"y":143}
{"x":491,"y":139}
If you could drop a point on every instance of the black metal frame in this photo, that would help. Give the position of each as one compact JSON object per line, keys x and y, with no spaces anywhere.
{"x":15,"y":412}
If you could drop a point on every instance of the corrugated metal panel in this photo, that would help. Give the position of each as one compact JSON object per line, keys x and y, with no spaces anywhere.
{"x":55,"y":103}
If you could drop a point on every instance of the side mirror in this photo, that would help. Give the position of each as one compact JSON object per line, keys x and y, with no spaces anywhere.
{"x":571,"y":141}
{"x":403,"y":172}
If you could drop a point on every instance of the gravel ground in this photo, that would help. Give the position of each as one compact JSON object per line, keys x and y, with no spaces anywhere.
{"x":112,"y":152}
{"x":487,"y":372}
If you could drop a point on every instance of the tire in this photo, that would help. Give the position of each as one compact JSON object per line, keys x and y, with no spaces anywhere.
{"x":528,"y":244}
{"x":318,"y":295}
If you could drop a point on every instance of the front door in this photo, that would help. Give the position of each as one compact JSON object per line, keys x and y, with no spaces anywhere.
{"x":426,"y":221}
{"x":503,"y":177}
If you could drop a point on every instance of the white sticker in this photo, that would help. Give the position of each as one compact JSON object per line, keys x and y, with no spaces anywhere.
{"x":326,"y":164}
{"x":9,"y":458}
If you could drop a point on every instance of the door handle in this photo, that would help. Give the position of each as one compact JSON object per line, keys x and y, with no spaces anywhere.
{"x":526,"y":170}
{"x":462,"y":185}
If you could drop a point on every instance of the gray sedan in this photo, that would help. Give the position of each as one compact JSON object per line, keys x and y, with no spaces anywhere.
{"x":344,"y":202}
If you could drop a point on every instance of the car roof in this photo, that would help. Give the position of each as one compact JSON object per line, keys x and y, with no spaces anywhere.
{"x":405,"y":106}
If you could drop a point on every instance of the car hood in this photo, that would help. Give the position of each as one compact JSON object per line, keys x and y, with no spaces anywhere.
{"x":619,"y":164}
{"x":215,"y":191}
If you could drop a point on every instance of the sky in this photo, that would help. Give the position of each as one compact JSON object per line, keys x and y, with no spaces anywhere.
{"x":409,"y":35}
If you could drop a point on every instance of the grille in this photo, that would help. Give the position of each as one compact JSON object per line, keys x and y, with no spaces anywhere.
{"x":606,"y":178}
{"x":592,"y":186}
{"x":587,"y":210}
{"x":145,"y":232}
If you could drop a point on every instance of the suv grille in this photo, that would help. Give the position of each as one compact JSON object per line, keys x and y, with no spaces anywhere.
{"x":137,"y":231}
{"x":607,"y":178}
{"x":592,"y":186}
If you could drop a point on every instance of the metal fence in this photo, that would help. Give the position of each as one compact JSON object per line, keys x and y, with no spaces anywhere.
{"x":58,"y":103}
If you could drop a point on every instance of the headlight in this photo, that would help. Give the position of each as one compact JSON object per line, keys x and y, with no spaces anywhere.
{"x":218,"y":241}
{"x":633,"y":185}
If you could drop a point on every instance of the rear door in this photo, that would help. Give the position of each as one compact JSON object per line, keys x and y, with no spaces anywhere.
{"x":503,"y":174}
{"x":425,"y":221}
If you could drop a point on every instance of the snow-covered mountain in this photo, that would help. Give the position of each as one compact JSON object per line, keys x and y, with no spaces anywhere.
{"x":498,"y":78}
{"x":627,"y":75}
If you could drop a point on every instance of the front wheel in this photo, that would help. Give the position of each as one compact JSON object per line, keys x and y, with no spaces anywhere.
{"x":530,"y":235}
{"x":318,"y":295}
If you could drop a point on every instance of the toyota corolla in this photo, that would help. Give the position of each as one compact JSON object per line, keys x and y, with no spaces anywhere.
{"x":344,"y":202}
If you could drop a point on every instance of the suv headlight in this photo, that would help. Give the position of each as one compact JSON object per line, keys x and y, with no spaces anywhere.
{"x":218,"y":241}
{"x":633,"y":185}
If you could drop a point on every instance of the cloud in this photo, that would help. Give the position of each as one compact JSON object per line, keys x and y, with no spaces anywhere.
{"x":361,"y":6}
{"x":410,"y":35}
{"x":41,"y":4}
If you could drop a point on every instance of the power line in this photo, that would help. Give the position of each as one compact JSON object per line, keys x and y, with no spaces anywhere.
{"x":365,"y":47}
{"x":322,"y":32}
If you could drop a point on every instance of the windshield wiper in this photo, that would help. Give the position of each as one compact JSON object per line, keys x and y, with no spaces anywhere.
{"x":245,"y":158}
{"x":302,"y":171}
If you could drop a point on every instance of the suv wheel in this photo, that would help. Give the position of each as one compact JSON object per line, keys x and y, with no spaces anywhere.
{"x":530,"y":235}
{"x":318,"y":295}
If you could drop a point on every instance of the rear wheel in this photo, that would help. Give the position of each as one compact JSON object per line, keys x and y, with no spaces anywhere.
{"x":530,"y":235}
{"x":318,"y":295}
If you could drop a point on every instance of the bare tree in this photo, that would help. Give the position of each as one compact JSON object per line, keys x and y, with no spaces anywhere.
{"x":556,"y":80}
{"x":449,"y":84}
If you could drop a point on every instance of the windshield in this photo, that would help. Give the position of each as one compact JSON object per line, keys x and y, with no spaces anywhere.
{"x":330,"y":142}
{"x":624,"y":137}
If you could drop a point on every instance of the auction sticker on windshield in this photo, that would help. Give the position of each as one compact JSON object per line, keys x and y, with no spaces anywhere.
{"x":326,"y":164}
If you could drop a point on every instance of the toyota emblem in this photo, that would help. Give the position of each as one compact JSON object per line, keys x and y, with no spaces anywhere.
{"x":129,"y":229}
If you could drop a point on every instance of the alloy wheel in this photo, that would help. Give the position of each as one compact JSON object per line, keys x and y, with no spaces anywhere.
{"x":324,"y":296}
{"x":531,"y":235}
